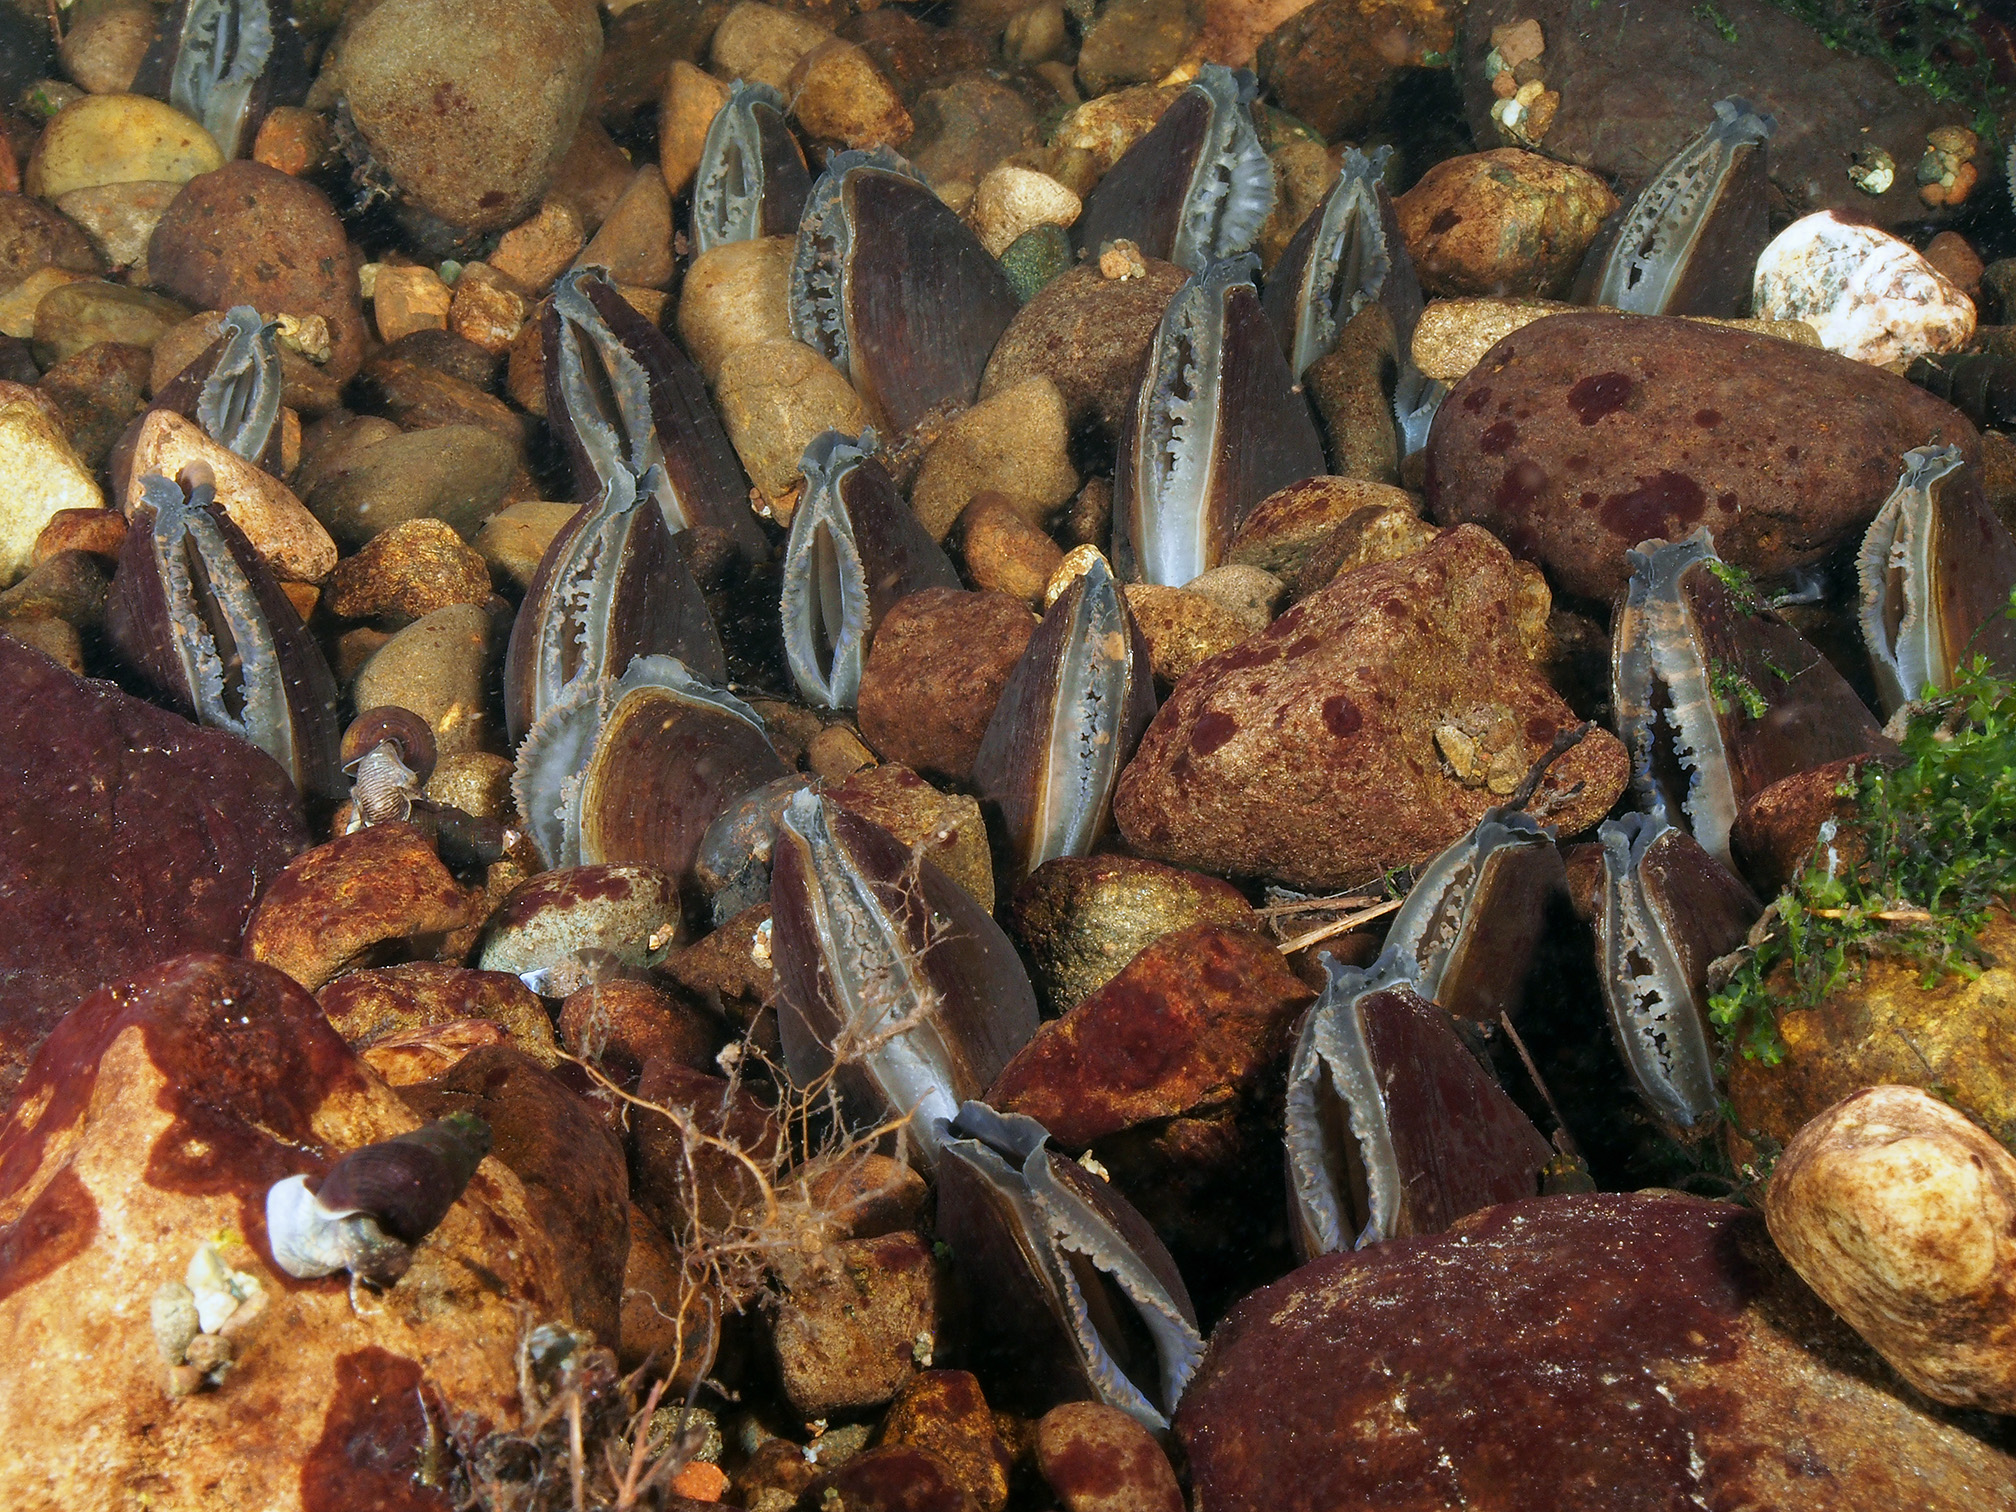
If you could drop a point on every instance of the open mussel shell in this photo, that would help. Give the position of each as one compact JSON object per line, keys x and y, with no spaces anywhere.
{"x":892,"y":978}
{"x":893,"y":288}
{"x":752,"y":180}
{"x":225,"y":63}
{"x":613,"y":585}
{"x":856,"y":548}
{"x":376,"y":1203}
{"x":1717,"y":696}
{"x":233,"y":388}
{"x":634,"y":769}
{"x":1688,"y":245}
{"x":1346,"y":256}
{"x":1667,"y":910}
{"x":1075,"y":1296}
{"x":1474,"y":924}
{"x":1393,"y":1127}
{"x":1197,"y":188}
{"x":1217,"y":424}
{"x":620,"y":394}
{"x":1067,"y":721}
{"x":1936,"y":568}
{"x":198,"y":614}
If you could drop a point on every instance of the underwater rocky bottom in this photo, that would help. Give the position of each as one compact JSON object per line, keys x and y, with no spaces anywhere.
{"x":1007,"y":755}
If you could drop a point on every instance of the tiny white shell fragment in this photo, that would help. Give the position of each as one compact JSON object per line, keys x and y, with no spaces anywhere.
{"x":307,"y":1239}
{"x":216,"y":1287}
{"x":1870,"y":296}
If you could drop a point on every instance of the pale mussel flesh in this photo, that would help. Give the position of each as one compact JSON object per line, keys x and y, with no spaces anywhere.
{"x":1066,"y":723}
{"x":856,"y":548}
{"x":1217,"y":424}
{"x":1936,"y":569}
{"x":752,"y":180}
{"x":890,"y":286}
{"x":893,"y":981}
{"x":199,"y":616}
{"x":1197,"y":188}
{"x":1076,"y":1297}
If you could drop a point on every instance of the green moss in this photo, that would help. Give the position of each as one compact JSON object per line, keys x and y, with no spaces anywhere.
{"x":1729,"y":688}
{"x":1724,"y":27}
{"x":1927,"y":43}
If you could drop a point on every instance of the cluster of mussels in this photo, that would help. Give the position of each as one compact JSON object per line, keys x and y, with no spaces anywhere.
{"x":1445,"y":1063}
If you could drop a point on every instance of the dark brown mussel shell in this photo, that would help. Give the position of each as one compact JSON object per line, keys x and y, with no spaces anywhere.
{"x":619,"y":394}
{"x":1717,"y":696}
{"x":1689,"y":243}
{"x":225,"y":63}
{"x":1197,"y":188}
{"x":1073,"y":1296}
{"x":613,"y":585}
{"x":1667,"y":910}
{"x":198,"y":615}
{"x":1066,"y":723}
{"x":893,"y":980}
{"x":1218,"y":423}
{"x":856,"y":548}
{"x":634,"y":768}
{"x":233,"y":389}
{"x":892,"y":287}
{"x":1393,"y":1128}
{"x":1936,"y":570}
{"x":752,"y":180}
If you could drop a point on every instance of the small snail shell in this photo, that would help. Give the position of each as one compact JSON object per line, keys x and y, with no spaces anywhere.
{"x":411,"y":734}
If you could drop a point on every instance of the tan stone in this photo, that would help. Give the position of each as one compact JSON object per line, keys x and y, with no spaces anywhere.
{"x":488,"y":309}
{"x":1011,"y":201}
{"x":763,"y":44}
{"x":1004,"y":552}
{"x":774,"y":398}
{"x":438,"y":667}
{"x":513,"y":540}
{"x":18,"y":304}
{"x":409,"y":299}
{"x":734,"y":296}
{"x":1105,"y":128}
{"x":686,"y":109}
{"x":1454,"y":334}
{"x":117,"y":139}
{"x":537,"y":250}
{"x":120,"y":219}
{"x":635,"y":242}
{"x":44,"y":476}
{"x":278,"y":525}
{"x":293,"y":140}
{"x":1184,"y":628}
{"x":838,"y":94}
{"x":1016,"y":442}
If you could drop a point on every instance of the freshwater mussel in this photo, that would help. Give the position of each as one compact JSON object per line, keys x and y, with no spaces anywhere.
{"x":197,"y":614}
{"x":752,"y":180}
{"x":226,"y":63}
{"x":233,"y":388}
{"x":1217,"y":424}
{"x":892,"y":288}
{"x":1077,"y":1297}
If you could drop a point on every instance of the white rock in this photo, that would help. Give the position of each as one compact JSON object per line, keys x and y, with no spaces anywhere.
{"x":43,"y":475}
{"x":1869,"y":295}
{"x":1013,"y":200}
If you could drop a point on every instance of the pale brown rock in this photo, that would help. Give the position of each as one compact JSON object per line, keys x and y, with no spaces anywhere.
{"x":105,"y":42}
{"x":488,"y":309}
{"x":1283,"y":529}
{"x":1502,"y":222}
{"x":1003,"y":552}
{"x":120,"y":219}
{"x":277,"y":524}
{"x":838,"y":94}
{"x":439,"y":668}
{"x":947,"y":826}
{"x":47,"y":477}
{"x":686,"y":108}
{"x":406,"y":299}
{"x":1185,"y":629}
{"x":762,"y":43}
{"x":775,"y":396}
{"x":734,"y":296}
{"x":408,"y":572}
{"x":1015,"y":442}
{"x":1012,"y":200}
{"x":513,"y":540}
{"x":635,"y":242}
{"x":537,"y":250}
{"x":19,"y":304}
{"x":117,"y":139}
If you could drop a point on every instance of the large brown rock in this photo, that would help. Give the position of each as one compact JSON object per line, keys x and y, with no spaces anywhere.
{"x":1504,"y":222}
{"x":154,"y":1120}
{"x":1578,"y":436}
{"x":1621,"y":1353}
{"x":936,"y":669}
{"x":1318,"y":751}
{"x":249,"y":234}
{"x":1337,"y":63}
{"x":127,"y":835}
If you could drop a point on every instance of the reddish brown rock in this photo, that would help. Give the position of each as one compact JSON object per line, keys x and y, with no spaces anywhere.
{"x":377,"y":887}
{"x":939,"y":661}
{"x":1098,"y":1459}
{"x":684,"y":1177}
{"x":1502,"y":223}
{"x":1199,"y":1018}
{"x":895,"y":1478}
{"x":1314,"y":752}
{"x":945,"y":1413}
{"x":945,"y":827}
{"x":847,"y":1332}
{"x":407,"y":1056}
{"x":1336,"y":63}
{"x":1578,"y":436}
{"x":1589,"y":1352}
{"x":132,"y":836}
{"x":154,"y":1121}
{"x":622,"y":1024}
{"x":1281,"y":531}
{"x":367,"y":1007}
{"x":249,"y":234}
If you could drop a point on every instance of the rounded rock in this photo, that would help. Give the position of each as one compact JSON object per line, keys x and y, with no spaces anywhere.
{"x":939,"y":661}
{"x":438,"y":667}
{"x":117,"y":139}
{"x":1502,"y":222}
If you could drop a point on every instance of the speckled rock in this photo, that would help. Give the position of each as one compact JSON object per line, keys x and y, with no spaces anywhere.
{"x":408,"y":572}
{"x":1133,"y":42}
{"x":847,"y":1333}
{"x":1281,"y":531}
{"x":965,"y":127}
{"x":1336,"y":63}
{"x":1015,"y":442}
{"x":94,"y":897}
{"x":946,"y":826}
{"x":97,"y":392}
{"x":453,"y":473}
{"x":470,"y":121}
{"x":774,"y":397}
{"x":1098,"y":1459}
{"x":734,"y":296}
{"x":1185,"y":629}
{"x":934,"y":673}
{"x":837,"y":94}
{"x":1579,"y":436}
{"x":105,"y":41}
{"x":371,"y":1005}
{"x":154,"y":1122}
{"x":1869,"y":295}
{"x":1502,"y":222}
{"x":1309,"y":753}
{"x":33,"y":236}
{"x":1655,"y":1345}
{"x":944,"y":1413}
{"x":763,"y":43}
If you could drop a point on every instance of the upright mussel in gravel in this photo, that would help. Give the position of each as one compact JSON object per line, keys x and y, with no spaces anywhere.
{"x":1981,"y":385}
{"x":1074,"y":1293}
{"x":1066,"y":722}
{"x":1689,"y":243}
{"x":1717,"y":696}
{"x":634,"y":768}
{"x":376,"y":1204}
{"x":619,"y":394}
{"x":1394,"y":1128}
{"x":197,"y":614}
{"x":1667,"y":910}
{"x":1218,"y":423}
{"x":752,"y":180}
{"x":233,"y":388}
{"x":613,"y":585}
{"x":855,"y":549}
{"x":1936,"y":570}
{"x":891,"y":287}
{"x":1197,"y":188}
{"x":225,"y":63}
{"x":893,"y":980}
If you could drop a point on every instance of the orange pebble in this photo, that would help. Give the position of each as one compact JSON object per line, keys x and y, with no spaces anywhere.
{"x":699,"y":1481}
